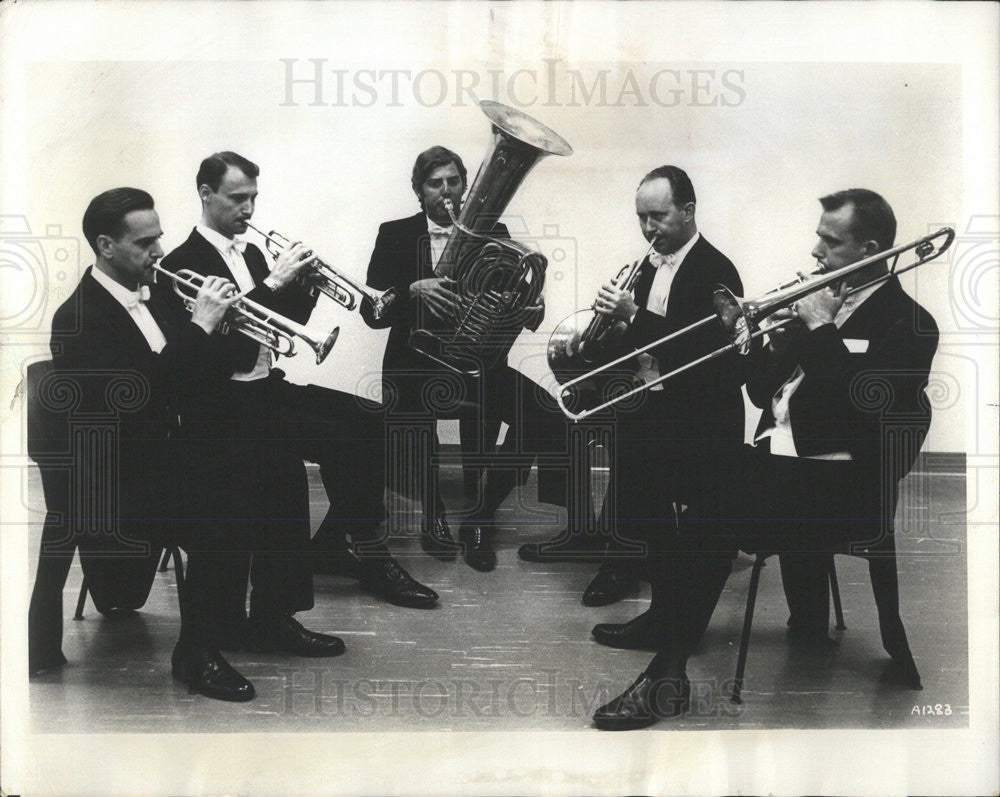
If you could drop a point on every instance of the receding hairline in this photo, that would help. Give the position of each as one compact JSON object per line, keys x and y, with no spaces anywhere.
{"x":659,"y":178}
{"x":230,"y":167}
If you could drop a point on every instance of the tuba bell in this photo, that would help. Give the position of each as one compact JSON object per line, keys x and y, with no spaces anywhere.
{"x":496,"y":279}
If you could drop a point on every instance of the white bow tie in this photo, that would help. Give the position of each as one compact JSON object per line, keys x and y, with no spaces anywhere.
{"x":134,"y":297}
{"x":657,"y":260}
{"x":237,"y":245}
{"x":437,"y":231}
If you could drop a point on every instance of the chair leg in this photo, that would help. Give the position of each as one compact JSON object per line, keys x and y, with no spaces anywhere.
{"x":838,"y":610}
{"x":179,"y":572}
{"x":81,"y":601}
{"x":164,"y":560}
{"x":741,"y":662}
{"x":178,"y":562}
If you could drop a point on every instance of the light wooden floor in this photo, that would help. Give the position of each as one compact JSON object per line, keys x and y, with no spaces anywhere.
{"x":511,"y":649}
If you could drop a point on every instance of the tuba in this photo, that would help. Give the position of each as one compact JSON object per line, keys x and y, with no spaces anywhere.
{"x":496,"y":279}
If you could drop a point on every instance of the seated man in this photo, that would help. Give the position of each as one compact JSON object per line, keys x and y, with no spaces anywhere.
{"x":417,"y":390}
{"x":111,"y":337}
{"x":288,"y":422}
{"x":823,"y":475}
{"x":682,"y":427}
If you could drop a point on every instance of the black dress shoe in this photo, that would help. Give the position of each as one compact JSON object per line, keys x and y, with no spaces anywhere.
{"x":613,"y":582}
{"x":902,"y":671}
{"x":644,"y":703}
{"x":565,"y":547}
{"x":436,"y":539}
{"x":383,"y":577}
{"x":636,"y":634}
{"x":479,"y":553}
{"x":206,"y":673}
{"x":286,"y":634}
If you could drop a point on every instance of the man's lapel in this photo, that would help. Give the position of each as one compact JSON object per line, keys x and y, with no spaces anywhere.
{"x":686,"y":272}
{"x":860,"y":323}
{"x":106,"y":306}
{"x":215,"y":264}
{"x":418,"y":231}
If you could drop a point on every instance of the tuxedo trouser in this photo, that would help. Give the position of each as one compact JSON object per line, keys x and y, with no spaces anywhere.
{"x":154,"y":510}
{"x":669,"y":468}
{"x":807,"y":510}
{"x":414,"y":401}
{"x":690,"y":559}
{"x":538,"y":432}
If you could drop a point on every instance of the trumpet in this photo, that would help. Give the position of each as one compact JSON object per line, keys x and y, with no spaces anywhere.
{"x":340,"y":287}
{"x":254,"y":320}
{"x":740,"y":317}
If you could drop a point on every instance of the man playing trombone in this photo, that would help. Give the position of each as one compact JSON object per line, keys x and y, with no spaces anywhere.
{"x":289,"y":422}
{"x":844,"y":414}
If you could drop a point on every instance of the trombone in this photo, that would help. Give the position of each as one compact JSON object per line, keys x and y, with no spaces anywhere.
{"x":254,"y":320}
{"x":740,"y":317}
{"x":335,"y":284}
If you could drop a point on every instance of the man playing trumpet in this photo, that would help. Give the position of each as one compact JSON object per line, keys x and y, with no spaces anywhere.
{"x":108,"y":335}
{"x":288,"y":423}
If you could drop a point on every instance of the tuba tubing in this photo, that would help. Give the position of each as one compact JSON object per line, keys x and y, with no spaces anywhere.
{"x":497,"y":279}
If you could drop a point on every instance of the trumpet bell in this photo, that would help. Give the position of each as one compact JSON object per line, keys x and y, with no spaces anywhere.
{"x":322,"y":349}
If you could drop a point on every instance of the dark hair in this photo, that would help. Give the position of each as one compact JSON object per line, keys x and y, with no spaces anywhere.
{"x":214,"y":168}
{"x":105,"y":215}
{"x":873,"y":219}
{"x":431,"y":159}
{"x":680,"y":183}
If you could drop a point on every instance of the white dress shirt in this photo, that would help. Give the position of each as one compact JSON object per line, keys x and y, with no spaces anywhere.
{"x":232,"y":252}
{"x":782,"y":439}
{"x":439,"y":239}
{"x":659,"y":296}
{"x":134,"y":303}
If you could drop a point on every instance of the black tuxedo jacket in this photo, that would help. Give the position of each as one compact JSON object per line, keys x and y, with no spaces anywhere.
{"x":708,"y":393}
{"x":402,"y":255}
{"x":120,"y":380}
{"x":197,"y":254}
{"x":863,"y":390}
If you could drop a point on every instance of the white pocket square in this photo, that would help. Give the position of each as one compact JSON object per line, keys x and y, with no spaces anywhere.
{"x":856,"y":346}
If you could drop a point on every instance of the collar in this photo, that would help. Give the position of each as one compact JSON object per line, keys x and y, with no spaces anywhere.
{"x":679,"y":254}
{"x":436,"y":230}
{"x":219,"y":241}
{"x":125,"y":297}
{"x":853,"y":302}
